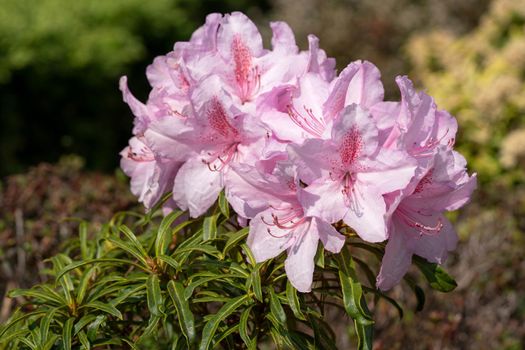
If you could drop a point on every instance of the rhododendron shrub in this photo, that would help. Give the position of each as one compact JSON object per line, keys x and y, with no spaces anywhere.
{"x":296,"y":148}
{"x":300,"y":154}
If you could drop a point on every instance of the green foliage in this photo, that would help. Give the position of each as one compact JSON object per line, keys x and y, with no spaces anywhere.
{"x":173,"y":283}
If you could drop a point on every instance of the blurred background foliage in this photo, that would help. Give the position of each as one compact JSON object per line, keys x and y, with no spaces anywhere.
{"x":59,"y":66}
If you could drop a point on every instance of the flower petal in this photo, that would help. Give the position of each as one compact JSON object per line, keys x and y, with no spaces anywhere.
{"x":299,"y":264}
{"x":196,"y":187}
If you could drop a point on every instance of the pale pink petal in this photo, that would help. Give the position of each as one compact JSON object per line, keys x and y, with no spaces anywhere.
{"x":263,"y":244}
{"x":368,"y":216}
{"x":396,"y":261}
{"x":360,"y":83}
{"x":283,"y":39}
{"x":139,"y":110}
{"x":299,"y":264}
{"x":360,"y":124}
{"x":324,"y":199}
{"x":237,"y":25}
{"x":435,"y":247}
{"x":196,"y":187}
{"x":392,"y":171}
{"x":332,"y":240}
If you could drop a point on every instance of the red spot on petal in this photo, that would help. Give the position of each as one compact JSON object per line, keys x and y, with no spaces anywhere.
{"x":351,"y":146}
{"x":218,"y":119}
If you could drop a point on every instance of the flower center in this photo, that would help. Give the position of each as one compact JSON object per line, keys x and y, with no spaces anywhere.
{"x":351,"y":146}
{"x":247,"y":76}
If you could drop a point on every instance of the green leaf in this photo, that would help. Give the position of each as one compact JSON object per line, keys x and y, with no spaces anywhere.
{"x":184,"y":314}
{"x":17,"y":319}
{"x":134,"y":240}
{"x":82,"y":337}
{"x":293,"y":301}
{"x":164,"y":234}
{"x":170,"y":261}
{"x":255,"y":281}
{"x":249,"y":254}
{"x":234,"y":239}
{"x":83,"y":285}
{"x":354,"y":301}
{"x":66,"y":333}
{"x":223,"y":205}
{"x":209,"y":227}
{"x":130,"y":249}
{"x":107,"y":308}
{"x":154,"y":295}
{"x":438,"y":278}
{"x":276,"y":308}
{"x":200,"y":281}
{"x":76,"y":265}
{"x":211,"y":326}
{"x":45,"y":322}
{"x":51,"y":298}
{"x":243,"y":328}
{"x":83,"y":237}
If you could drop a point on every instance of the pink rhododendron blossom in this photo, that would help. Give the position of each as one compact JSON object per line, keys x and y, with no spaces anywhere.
{"x":296,"y":148}
{"x":281,"y":223}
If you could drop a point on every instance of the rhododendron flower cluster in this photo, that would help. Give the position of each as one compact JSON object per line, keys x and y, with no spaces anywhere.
{"x":296,"y":148}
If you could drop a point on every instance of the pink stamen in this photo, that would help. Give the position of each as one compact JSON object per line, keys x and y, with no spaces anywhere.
{"x":423,"y":229}
{"x":311,"y":124}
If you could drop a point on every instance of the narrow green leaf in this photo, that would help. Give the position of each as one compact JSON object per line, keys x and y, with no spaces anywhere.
{"x":164,"y":233}
{"x":234,"y":239}
{"x":249,"y":254}
{"x":438,"y":278}
{"x":107,"y":308}
{"x":184,"y":314}
{"x":28,"y":343}
{"x":255,"y":279}
{"x":188,"y":292}
{"x":293,"y":301}
{"x":76,"y":265}
{"x":209,"y":227}
{"x":83,"y":285}
{"x":353,"y":299}
{"x":154,"y":295}
{"x":83,"y":322}
{"x":84,"y":341}
{"x":66,"y":333}
{"x":130,"y":249}
{"x":170,"y":261}
{"x":45,"y":322}
{"x":83,"y":235}
{"x":7,"y":338}
{"x":223,"y":205}
{"x":133,"y":239}
{"x":276,"y":308}
{"x":51,"y":298}
{"x":211,"y":326}
{"x":17,"y":319}
{"x":243,"y":328}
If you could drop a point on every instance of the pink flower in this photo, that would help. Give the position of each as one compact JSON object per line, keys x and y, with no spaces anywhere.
{"x":348,"y":174}
{"x":417,"y":224}
{"x":150,"y":176}
{"x":220,"y":135}
{"x":281,"y":223}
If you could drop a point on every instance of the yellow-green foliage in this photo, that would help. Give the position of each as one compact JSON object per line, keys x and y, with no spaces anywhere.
{"x":479,"y":77}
